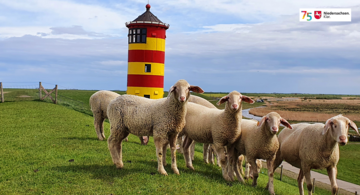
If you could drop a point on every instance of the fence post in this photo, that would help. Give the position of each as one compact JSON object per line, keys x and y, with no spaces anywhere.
{"x":313,"y":189}
{"x":355,"y":192}
{"x":281,"y":172}
{"x":56,"y":92}
{"x":40,"y":90}
{"x":2,"y":92}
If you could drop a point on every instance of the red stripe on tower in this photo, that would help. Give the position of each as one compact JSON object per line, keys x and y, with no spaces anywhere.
{"x":145,"y":81}
{"x":146,"y":56}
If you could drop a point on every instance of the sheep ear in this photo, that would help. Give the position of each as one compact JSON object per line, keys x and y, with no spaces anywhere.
{"x":353,"y":126}
{"x":328,"y":124}
{"x":247,"y":99}
{"x":262,"y":121}
{"x":285,"y":123}
{"x":172,"y":88}
{"x":196,"y":89}
{"x":222,"y":100}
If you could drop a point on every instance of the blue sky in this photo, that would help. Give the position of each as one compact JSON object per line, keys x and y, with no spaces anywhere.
{"x":249,"y":46}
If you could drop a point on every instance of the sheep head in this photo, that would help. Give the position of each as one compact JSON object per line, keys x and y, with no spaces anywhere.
{"x":234,"y":99}
{"x":181,"y":90}
{"x":272,"y":121}
{"x":338,"y":127}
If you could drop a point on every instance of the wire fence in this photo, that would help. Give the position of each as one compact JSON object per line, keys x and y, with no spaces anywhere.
{"x":29,"y":91}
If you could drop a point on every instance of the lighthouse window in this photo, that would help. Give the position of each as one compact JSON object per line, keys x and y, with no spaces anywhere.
{"x":137,"y":35}
{"x":147,"y":67}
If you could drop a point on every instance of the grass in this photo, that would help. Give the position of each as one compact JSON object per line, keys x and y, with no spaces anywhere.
{"x":47,"y":148}
{"x":46,"y":139}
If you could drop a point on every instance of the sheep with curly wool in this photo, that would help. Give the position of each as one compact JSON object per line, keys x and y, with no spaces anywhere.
{"x":314,"y":146}
{"x":213,"y":126}
{"x":161,"y":118}
{"x":258,"y":140}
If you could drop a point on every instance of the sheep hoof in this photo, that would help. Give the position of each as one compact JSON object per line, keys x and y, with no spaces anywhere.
{"x":119,"y":166}
{"x":190,"y":167}
{"x":176,"y":171}
{"x":163,"y":173}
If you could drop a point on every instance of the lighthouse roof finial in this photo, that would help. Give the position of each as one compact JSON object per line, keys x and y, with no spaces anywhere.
{"x":148,"y":7}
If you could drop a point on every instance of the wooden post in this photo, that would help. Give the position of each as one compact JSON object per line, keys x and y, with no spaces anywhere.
{"x":281,"y":172}
{"x":56,"y":92}
{"x":313,"y":189}
{"x":2,"y":92}
{"x":355,"y":192}
{"x":40,"y":90}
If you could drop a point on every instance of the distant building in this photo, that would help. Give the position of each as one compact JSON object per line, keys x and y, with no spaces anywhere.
{"x":146,"y":58}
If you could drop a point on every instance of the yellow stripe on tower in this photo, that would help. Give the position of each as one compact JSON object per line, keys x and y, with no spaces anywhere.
{"x":139,"y":68}
{"x":157,"y":44}
{"x":155,"y":93}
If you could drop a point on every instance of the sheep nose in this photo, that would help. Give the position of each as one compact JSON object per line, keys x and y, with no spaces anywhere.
{"x":182,"y":98}
{"x":342,"y":140}
{"x":235,"y":106}
{"x":274,"y":130}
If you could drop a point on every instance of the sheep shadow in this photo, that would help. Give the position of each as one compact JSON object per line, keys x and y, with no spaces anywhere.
{"x":106,"y":173}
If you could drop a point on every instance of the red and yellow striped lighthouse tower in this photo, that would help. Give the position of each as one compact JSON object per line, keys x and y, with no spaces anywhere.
{"x":146,"y":59}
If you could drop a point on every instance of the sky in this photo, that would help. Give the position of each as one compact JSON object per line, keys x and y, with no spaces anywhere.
{"x":252,"y":46}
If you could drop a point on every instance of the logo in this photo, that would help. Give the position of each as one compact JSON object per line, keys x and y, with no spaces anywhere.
{"x":317,"y":14}
{"x":307,"y":15}
{"x":325,"y":15}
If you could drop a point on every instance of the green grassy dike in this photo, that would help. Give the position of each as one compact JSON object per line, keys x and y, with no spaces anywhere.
{"x":50,"y":149}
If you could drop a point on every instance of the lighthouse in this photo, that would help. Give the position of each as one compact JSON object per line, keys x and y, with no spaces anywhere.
{"x":146,"y":57}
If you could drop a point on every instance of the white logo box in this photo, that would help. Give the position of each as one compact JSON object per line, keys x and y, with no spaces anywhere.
{"x":327,"y":15}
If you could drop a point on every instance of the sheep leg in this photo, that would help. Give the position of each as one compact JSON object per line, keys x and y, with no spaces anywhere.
{"x":99,"y":127}
{"x":332,"y":172}
{"x":223,"y":161}
{"x":306,"y":171}
{"x":236,"y":168}
{"x":206,"y":153}
{"x":301,"y":182}
{"x":159,"y":144}
{"x":270,"y":185}
{"x":248,"y":170}
{"x":186,"y":149}
{"x":278,"y":160}
{"x":115,"y":146}
{"x":231,"y":161}
{"x":192,"y":151}
{"x":240,"y":164}
{"x":253,"y":164}
{"x":211,"y":155}
{"x":172,"y":141}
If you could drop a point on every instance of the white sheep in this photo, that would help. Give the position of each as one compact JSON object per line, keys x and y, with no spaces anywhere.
{"x":208,"y":150}
{"x":213,"y":126}
{"x":161,"y":118}
{"x":248,"y":169}
{"x":258,"y":141}
{"x":99,"y":102}
{"x":314,"y":146}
